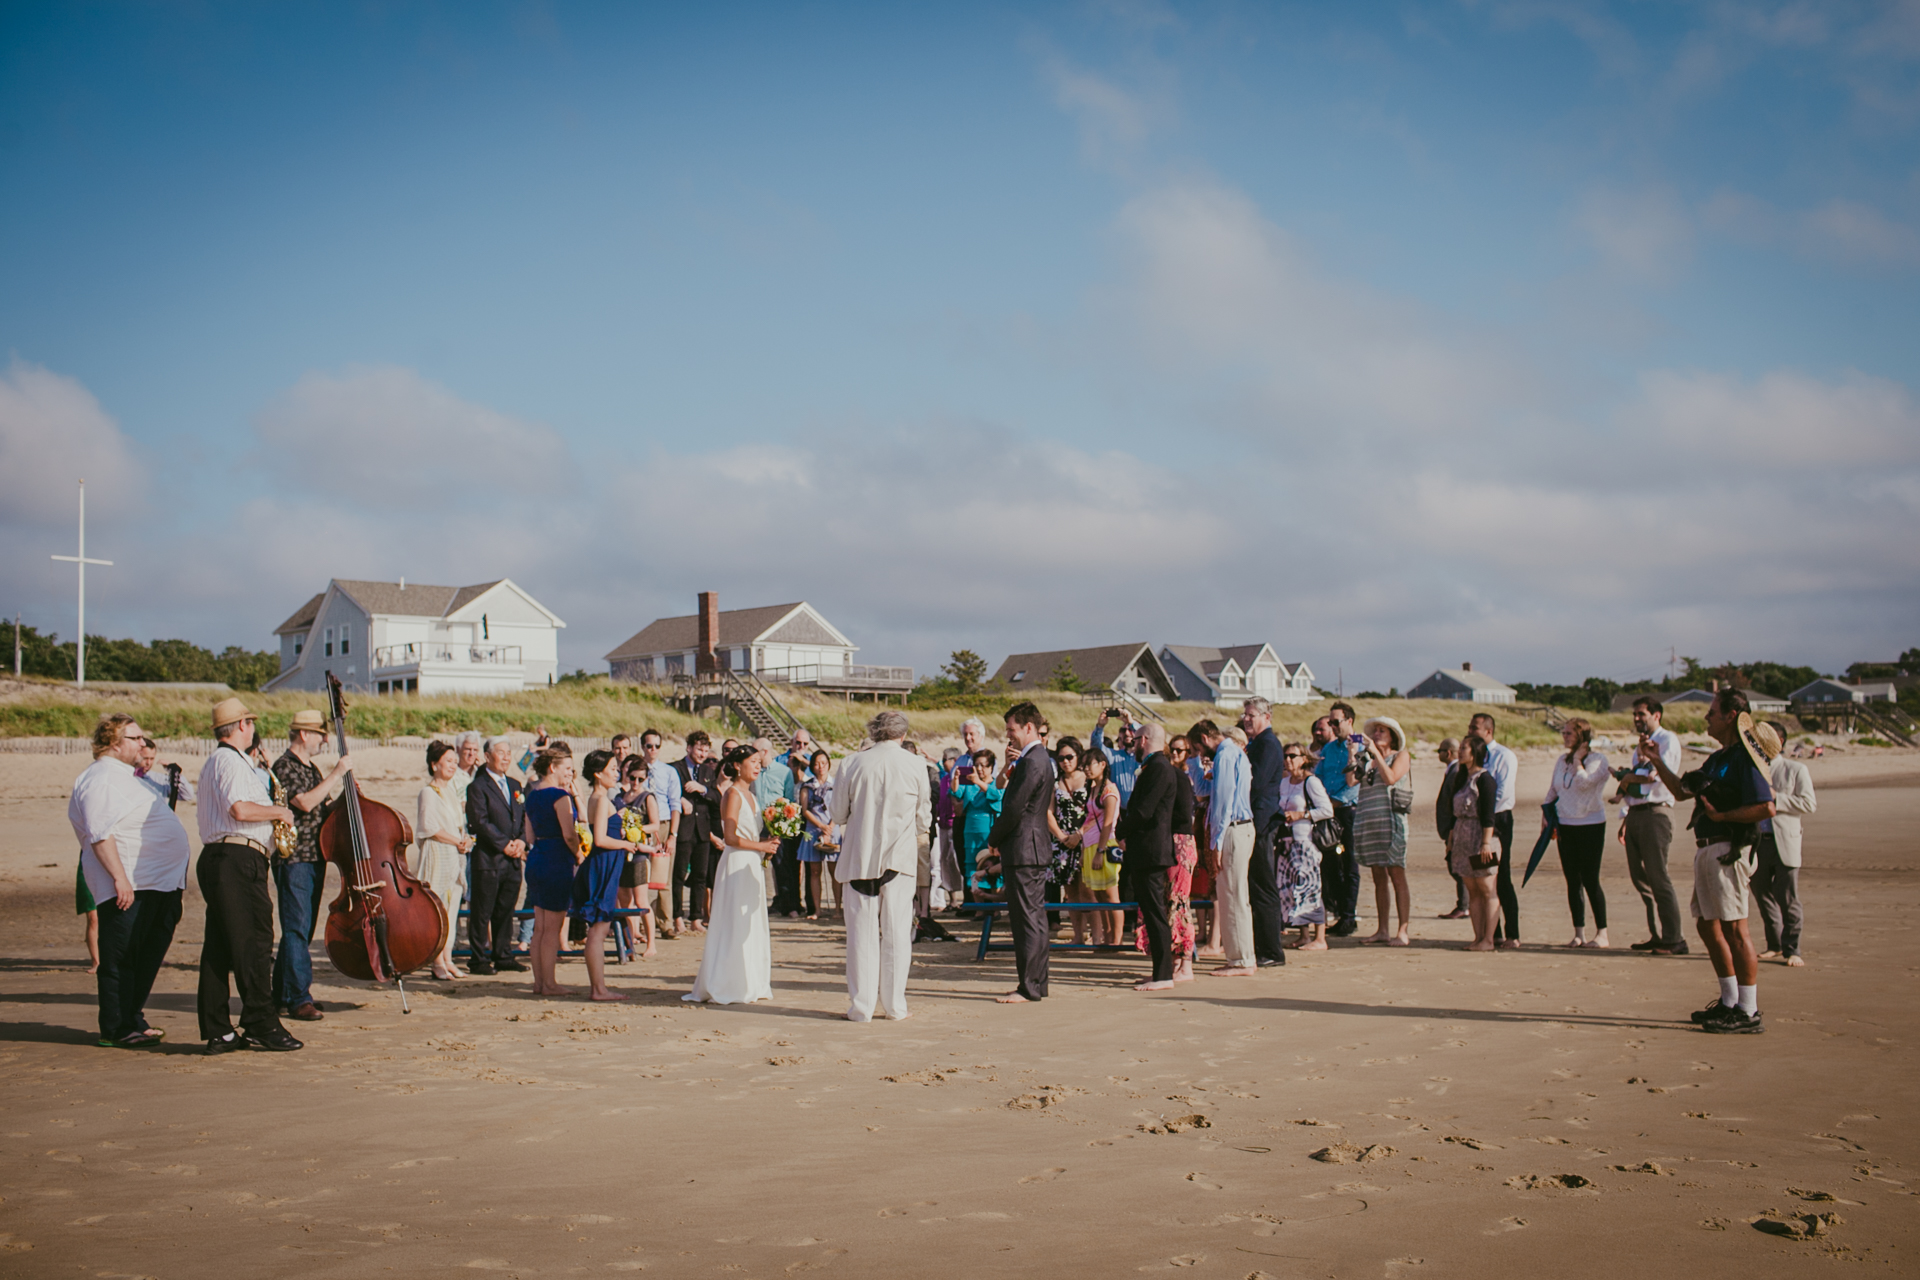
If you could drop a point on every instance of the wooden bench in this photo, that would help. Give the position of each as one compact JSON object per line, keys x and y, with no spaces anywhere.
{"x":988,"y":911}
{"x":526,"y":913}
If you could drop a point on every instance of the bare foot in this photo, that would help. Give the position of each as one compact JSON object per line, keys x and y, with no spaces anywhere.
{"x":1012,"y":997}
{"x":1795,"y":962}
{"x":900,"y":1017}
{"x":1374,"y":939}
{"x":1153,"y":986}
{"x":1233,"y":971}
{"x":1479,"y":946}
{"x":1212,"y":953}
{"x":607,"y":995}
{"x":1315,"y":945}
{"x":1183,"y":976}
{"x":1600,"y":940}
{"x":1511,"y":944}
{"x":1401,"y":940}
{"x":555,"y":991}
{"x":649,"y":953}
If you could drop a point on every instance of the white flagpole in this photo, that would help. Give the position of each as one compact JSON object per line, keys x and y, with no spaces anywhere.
{"x":80,"y":646}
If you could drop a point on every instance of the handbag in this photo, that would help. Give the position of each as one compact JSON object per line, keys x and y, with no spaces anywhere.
{"x":1326,"y":835}
{"x":1401,"y":797}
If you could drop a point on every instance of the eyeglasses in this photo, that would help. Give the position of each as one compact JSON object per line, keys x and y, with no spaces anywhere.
{"x":134,"y":737}
{"x":1293,"y":755}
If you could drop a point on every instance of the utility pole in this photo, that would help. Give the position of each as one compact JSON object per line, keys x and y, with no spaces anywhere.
{"x":16,"y":646}
{"x":80,"y":647}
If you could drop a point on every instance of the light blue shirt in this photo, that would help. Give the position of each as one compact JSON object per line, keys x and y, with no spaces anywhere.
{"x":772,"y":784}
{"x":1121,"y":766}
{"x":664,"y":781}
{"x":1332,"y":772}
{"x":1232,"y":790}
{"x":1197,"y":775}
{"x":1505,"y":768}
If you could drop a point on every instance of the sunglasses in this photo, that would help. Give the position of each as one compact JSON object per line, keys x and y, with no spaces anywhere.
{"x":1293,"y":755}
{"x":134,"y":737}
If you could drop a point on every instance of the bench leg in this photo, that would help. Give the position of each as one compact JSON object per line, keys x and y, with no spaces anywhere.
{"x":986,"y":933}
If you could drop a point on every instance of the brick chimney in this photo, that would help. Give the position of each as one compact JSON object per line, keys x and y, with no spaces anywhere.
{"x":705,"y":660}
{"x":1466,"y":666}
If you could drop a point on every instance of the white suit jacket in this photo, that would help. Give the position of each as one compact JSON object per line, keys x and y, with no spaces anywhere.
{"x":880,"y":798}
{"x":1792,"y":785}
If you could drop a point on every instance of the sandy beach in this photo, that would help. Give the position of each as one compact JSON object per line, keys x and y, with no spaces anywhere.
{"x":1543,"y":1111}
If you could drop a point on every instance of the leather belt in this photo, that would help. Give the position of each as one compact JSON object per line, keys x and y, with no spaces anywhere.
{"x":244,"y":842}
{"x":1651,"y":804}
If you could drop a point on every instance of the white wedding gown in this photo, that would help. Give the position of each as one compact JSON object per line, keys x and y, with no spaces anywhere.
{"x":737,"y":965}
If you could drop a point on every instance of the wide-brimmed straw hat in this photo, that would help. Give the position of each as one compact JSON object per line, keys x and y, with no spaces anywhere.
{"x":230,"y":711}
{"x":1399,"y":734}
{"x":308,"y":719}
{"x":1761,"y":742}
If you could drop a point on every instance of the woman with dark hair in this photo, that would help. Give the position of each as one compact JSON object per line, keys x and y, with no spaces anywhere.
{"x":596,"y":890}
{"x":1473,"y":848}
{"x":634,"y":887}
{"x":1099,"y":872}
{"x":1578,"y":794}
{"x":816,"y":835}
{"x":441,"y":843}
{"x":737,"y":965}
{"x":1064,"y":820}
{"x":553,"y":852}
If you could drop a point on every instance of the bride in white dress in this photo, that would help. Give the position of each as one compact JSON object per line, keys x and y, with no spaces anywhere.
{"x":737,"y":965}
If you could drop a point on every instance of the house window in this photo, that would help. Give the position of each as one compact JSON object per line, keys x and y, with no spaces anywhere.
{"x":676,"y":665}
{"x":1018,"y":676}
{"x":759,"y":659}
{"x":296,"y":648}
{"x":1141,"y":687}
{"x":346,"y":643}
{"x":329,"y":649}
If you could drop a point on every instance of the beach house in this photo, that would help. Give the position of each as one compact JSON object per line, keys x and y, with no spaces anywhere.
{"x":1230,"y":675}
{"x":1463,"y":684}
{"x":781,"y":643}
{"x":401,"y":637}
{"x":1133,"y":670}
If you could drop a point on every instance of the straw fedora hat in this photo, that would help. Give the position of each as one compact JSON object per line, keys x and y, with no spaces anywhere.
{"x":1761,"y":742}
{"x":308,"y":719}
{"x":1399,"y":734}
{"x":230,"y":711}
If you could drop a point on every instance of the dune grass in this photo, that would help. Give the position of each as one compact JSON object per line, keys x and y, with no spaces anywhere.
{"x":599,"y":708}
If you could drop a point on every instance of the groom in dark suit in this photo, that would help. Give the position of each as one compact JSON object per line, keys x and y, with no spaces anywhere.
{"x":1021,"y":838}
{"x":496,"y":816}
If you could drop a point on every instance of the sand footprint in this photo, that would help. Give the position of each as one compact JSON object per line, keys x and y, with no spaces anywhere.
{"x":1505,"y":1225}
{"x":1045,"y":1175}
{"x":1203,"y":1181}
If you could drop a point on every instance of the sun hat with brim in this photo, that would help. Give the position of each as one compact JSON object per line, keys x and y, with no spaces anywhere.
{"x":230,"y":711}
{"x":1761,"y":742}
{"x":1399,"y":734}
{"x":308,"y":719}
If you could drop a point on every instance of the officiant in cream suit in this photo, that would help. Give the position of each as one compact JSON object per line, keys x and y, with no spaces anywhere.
{"x":881,"y":800}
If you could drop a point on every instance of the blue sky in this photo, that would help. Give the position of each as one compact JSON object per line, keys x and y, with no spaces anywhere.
{"x":1545,"y":335}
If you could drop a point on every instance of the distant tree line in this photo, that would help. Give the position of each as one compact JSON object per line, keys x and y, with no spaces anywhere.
{"x":162,"y":660}
{"x":1773,"y":678}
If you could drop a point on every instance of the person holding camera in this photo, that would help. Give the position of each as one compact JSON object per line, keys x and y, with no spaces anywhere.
{"x":1731,"y":795}
{"x":1647,"y":829}
{"x":1468,"y":795}
{"x":1339,"y":745}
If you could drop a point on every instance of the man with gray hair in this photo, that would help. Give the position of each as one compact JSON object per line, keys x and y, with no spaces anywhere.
{"x":496,"y":818}
{"x":880,"y":800}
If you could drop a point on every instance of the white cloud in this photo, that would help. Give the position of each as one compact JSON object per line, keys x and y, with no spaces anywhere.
{"x":1647,"y":232}
{"x":53,"y":433}
{"x":1840,"y":230}
{"x":1114,"y":120}
{"x":384,"y":435}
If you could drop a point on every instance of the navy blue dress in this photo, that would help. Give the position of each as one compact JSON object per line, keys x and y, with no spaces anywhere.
{"x":596,"y":890}
{"x":550,"y":863}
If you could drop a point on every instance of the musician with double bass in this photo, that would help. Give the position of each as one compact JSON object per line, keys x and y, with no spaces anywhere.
{"x":236,"y":833}
{"x":300,"y":873}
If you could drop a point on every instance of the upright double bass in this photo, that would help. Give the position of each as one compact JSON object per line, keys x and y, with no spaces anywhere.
{"x":385,"y":923}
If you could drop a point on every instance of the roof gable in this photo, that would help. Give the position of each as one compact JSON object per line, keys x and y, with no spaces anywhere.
{"x":302,"y":619}
{"x":1100,"y":666}
{"x":737,"y":627}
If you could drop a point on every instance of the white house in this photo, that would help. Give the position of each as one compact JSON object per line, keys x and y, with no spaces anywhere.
{"x":1462,"y":685}
{"x":781,"y":643}
{"x":396,"y":637}
{"x":1229,"y":676}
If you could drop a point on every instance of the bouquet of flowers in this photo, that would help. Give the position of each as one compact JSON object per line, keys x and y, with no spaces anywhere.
{"x":583,"y":836}
{"x":633,"y":825}
{"x":782,"y":819}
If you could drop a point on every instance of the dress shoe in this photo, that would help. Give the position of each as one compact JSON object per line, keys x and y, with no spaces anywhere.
{"x":480,"y":968}
{"x":226,"y":1044}
{"x":509,"y":965}
{"x":274,"y":1041}
{"x":1345,"y":929}
{"x":1458,"y":913}
{"x":1671,"y":949}
{"x":1271,"y":964}
{"x":1649,"y":945}
{"x":308,"y":1012}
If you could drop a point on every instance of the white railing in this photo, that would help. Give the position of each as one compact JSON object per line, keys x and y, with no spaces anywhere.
{"x":402,"y":655}
{"x":892,"y":678}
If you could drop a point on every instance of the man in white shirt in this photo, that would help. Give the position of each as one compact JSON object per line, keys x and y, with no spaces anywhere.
{"x":1504,"y":768}
{"x":134,"y":855}
{"x":236,"y":833}
{"x":1647,"y":830}
{"x":1776,"y":882}
{"x":880,"y":799}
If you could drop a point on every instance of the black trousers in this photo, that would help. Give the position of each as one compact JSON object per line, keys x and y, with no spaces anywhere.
{"x":1508,"y":926}
{"x":493,"y":891}
{"x":133,"y":946}
{"x":1027,"y":911}
{"x":693,"y":856}
{"x":1340,"y":872}
{"x":786,"y":877}
{"x":238,"y":951}
{"x":1152,"y":885}
{"x":1581,"y":849}
{"x":1263,"y":890}
{"x":1776,"y":888}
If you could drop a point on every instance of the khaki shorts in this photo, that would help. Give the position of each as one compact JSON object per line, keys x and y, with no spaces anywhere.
{"x":1720,"y":891}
